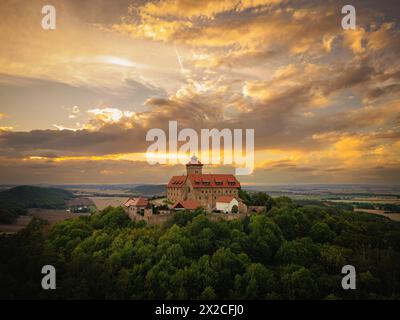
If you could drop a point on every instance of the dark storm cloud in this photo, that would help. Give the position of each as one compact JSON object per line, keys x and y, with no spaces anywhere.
{"x":83,"y":142}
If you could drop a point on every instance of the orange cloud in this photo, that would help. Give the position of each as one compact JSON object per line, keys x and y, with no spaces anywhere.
{"x":193,"y":8}
{"x":380,"y":38}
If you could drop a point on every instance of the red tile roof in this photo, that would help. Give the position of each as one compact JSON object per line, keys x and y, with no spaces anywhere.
{"x":214,"y":181}
{"x":137,"y":202}
{"x":225,"y":199}
{"x":205,"y":181}
{"x":176,"y":181}
{"x":187,"y":204}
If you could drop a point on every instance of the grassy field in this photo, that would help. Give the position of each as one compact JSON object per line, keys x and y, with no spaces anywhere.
{"x":370,"y":200}
{"x":103,"y":202}
{"x":392,"y":216}
{"x":52,"y":216}
{"x":20,"y":223}
{"x":93,"y":191}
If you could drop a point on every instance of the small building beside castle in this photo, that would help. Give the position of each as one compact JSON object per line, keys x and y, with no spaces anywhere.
{"x":137,"y":206}
{"x":206,"y":189}
{"x":227,"y":204}
{"x":186,"y":205}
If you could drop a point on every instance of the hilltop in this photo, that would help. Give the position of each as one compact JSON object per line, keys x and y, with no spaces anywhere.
{"x":287,"y":252}
{"x":16,"y":201}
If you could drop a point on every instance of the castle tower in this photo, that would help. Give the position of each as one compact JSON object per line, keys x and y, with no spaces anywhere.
{"x":194,"y":166}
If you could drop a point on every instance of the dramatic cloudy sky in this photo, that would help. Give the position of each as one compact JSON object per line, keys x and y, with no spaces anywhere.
{"x":76,"y":102}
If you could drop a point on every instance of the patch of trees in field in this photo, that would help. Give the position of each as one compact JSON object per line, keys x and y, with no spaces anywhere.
{"x":288,"y":252}
{"x":387,"y":207}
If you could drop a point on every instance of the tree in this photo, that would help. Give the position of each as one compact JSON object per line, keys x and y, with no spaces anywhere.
{"x":256,"y":199}
{"x":301,"y":252}
{"x":320,"y":232}
{"x":269,"y":256}
{"x":298,"y":282}
{"x":283,"y":201}
{"x":235,"y":209}
{"x":334,"y":257}
{"x":264,"y":239}
{"x":245,"y":196}
{"x":208,"y":293}
{"x":262,"y":199}
{"x":256,"y":283}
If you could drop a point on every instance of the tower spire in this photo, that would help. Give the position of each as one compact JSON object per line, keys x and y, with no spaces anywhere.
{"x":194,"y":166}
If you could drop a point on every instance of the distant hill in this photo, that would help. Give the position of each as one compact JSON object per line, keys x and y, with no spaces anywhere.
{"x":17,"y":200}
{"x":149,"y":189}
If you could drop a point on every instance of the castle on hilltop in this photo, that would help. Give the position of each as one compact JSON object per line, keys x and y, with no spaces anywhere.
{"x":210,"y":191}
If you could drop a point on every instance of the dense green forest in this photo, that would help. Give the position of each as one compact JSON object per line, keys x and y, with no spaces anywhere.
{"x":15,"y":201}
{"x":289,"y":252}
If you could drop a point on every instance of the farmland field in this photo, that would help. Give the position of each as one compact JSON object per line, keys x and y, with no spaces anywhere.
{"x":20,"y":223}
{"x":53,"y":216}
{"x":392,"y":216}
{"x":103,"y":202}
{"x":370,"y":200}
